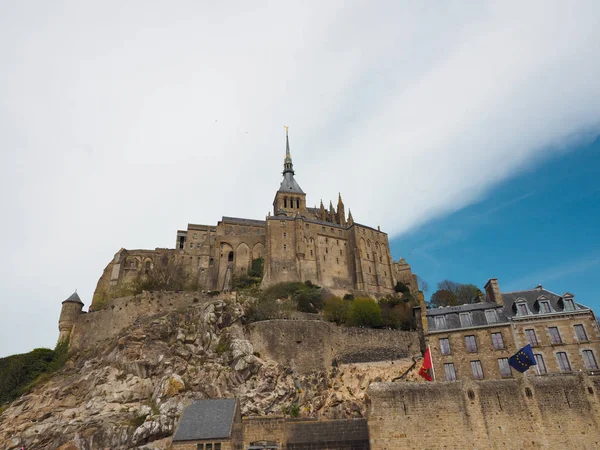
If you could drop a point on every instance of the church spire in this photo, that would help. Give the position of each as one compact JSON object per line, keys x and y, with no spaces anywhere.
{"x":288,"y":167}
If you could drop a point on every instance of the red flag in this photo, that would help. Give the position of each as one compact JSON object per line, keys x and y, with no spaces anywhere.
{"x":426,"y":369}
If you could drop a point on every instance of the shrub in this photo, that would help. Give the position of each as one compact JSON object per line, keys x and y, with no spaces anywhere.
{"x":401,"y":287}
{"x":20,"y":373}
{"x":364,"y":312}
{"x":309,"y":301}
{"x":349,"y":296}
{"x":336,"y":310}
{"x":257,"y":268}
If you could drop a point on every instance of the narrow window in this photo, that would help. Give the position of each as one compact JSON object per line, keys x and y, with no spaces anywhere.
{"x":554,"y":336}
{"x":243,"y":230}
{"x":589,"y":360}
{"x":148,"y":266}
{"x":340,"y":232}
{"x":331,"y":229}
{"x":368,"y":257}
{"x":444,"y":346}
{"x":440,"y":323}
{"x":569,"y":305}
{"x":284,"y":235}
{"x":218,"y":446}
{"x":307,"y":226}
{"x":211,"y":262}
{"x":563,"y":362}
{"x":369,"y":270}
{"x":285,"y":202}
{"x":337,"y":242}
{"x":522,"y":309}
{"x":380,"y":259}
{"x":337,"y":260}
{"x":284,"y":247}
{"x":504,"y":367}
{"x":545,"y":307}
{"x":198,"y":245}
{"x":471,"y":344}
{"x":199,"y":446}
{"x":491,"y":316}
{"x":209,"y":447}
{"x":465,"y":320}
{"x":297,"y":207}
{"x":323,"y":229}
{"x":497,"y":341}
{"x":311,"y":253}
{"x":230,"y":257}
{"x":580,"y":332}
{"x":477,"y":370}
{"x":221,"y":246}
{"x":531,"y":337}
{"x":540,"y":367}
{"x":326,"y":250}
{"x":341,"y":253}
{"x":326,"y":240}
{"x":181,"y":241}
{"x":195,"y":235}
{"x":450,"y":372}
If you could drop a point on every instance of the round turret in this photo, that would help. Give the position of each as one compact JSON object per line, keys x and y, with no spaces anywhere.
{"x":71,"y":308}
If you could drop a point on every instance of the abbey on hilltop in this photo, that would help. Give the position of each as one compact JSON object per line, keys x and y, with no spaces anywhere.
{"x":296,"y":243}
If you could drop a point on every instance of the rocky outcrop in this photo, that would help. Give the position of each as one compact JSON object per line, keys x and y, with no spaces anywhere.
{"x":130,"y":392}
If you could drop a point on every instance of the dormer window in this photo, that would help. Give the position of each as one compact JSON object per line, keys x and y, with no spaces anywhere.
{"x":465,"y":320}
{"x":440,"y":323}
{"x":522,"y":309}
{"x":569,"y":304}
{"x":545,"y":307}
{"x":491,"y":316}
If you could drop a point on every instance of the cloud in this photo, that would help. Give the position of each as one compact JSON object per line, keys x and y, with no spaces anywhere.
{"x":122,"y":122}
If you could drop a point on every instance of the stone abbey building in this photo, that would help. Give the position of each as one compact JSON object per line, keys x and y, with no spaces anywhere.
{"x":296,"y":242}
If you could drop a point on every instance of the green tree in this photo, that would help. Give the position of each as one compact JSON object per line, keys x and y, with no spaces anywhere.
{"x":451,"y":293}
{"x":336,"y":310}
{"x":364,"y":312}
{"x":401,"y":287}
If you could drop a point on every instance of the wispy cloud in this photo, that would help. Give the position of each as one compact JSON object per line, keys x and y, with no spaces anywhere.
{"x":121,"y":122}
{"x":553,"y":273}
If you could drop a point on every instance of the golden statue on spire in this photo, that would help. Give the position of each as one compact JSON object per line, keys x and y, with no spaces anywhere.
{"x":286,"y":128}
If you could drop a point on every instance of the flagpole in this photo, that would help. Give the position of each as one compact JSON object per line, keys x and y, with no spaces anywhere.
{"x":432,"y":368}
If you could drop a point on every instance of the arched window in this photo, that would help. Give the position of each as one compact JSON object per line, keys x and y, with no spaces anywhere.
{"x":285,"y":202}
{"x":211,"y":262}
{"x":298,"y":203}
{"x":148,"y":265}
{"x":230,"y":257}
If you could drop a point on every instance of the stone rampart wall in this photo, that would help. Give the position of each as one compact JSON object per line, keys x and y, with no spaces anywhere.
{"x":307,"y":434}
{"x":93,"y":327}
{"x":308,"y":345}
{"x":529,"y":412}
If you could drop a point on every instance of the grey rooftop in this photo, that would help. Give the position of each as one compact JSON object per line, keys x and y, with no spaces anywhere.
{"x":74,"y":298}
{"x":207,"y":419}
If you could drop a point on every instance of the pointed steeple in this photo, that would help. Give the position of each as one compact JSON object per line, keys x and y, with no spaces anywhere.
{"x":287,"y":162}
{"x":350,"y":219}
{"x":322,"y":214}
{"x":341,"y":213}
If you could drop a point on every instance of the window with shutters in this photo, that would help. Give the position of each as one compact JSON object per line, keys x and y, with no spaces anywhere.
{"x":589,"y":360}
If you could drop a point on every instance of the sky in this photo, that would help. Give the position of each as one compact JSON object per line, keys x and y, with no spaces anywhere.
{"x":447,"y":125}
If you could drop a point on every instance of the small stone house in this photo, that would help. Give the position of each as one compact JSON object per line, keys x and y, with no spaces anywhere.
{"x":210,"y":425}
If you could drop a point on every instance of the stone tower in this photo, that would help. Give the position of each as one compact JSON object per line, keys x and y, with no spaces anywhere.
{"x":290,"y":199}
{"x":71,"y":308}
{"x":341,"y":213}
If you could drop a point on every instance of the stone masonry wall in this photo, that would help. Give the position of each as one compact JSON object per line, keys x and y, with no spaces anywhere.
{"x":531,"y":412}
{"x":308,"y":345}
{"x":91,"y":328}
{"x":306,"y":434}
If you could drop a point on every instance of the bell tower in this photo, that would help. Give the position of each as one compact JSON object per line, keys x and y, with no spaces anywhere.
{"x":289,"y":199}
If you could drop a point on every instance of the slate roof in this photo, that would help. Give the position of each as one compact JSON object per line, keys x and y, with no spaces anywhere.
{"x":476,"y":310}
{"x":74,"y":298}
{"x":243,"y":221}
{"x":289,"y":184}
{"x":207,"y":419}
{"x":533,"y":298}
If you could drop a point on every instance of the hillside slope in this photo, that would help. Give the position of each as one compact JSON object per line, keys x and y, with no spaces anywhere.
{"x":129,"y":391}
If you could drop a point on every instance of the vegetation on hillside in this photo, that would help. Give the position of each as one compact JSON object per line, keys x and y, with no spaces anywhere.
{"x":19,"y":373}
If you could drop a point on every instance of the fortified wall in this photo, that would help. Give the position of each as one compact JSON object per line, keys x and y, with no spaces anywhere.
{"x":308,"y":345}
{"x":88,"y":329}
{"x":531,"y":412}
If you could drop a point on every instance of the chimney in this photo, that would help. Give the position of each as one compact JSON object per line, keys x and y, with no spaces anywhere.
{"x":492,"y":292}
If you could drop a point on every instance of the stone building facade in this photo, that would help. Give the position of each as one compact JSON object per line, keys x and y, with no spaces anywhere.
{"x":474,"y":341}
{"x":296,"y":242}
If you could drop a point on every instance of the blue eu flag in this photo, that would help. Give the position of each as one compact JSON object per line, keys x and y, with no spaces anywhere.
{"x":523,"y":359}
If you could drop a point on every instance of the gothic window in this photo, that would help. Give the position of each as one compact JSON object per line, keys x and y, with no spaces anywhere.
{"x":368,"y":244}
{"x":298,"y":203}
{"x":230,"y":257}
{"x":285,"y":202}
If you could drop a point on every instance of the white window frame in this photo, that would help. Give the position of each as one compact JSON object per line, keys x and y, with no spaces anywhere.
{"x":491,"y":313}
{"x":540,"y":367}
{"x":545,"y":303}
{"x":465,"y":319}
{"x":447,"y":346}
{"x":440,"y":320}
{"x":524,"y":305}
{"x":571,"y":303}
{"x":559,"y":359}
{"x":588,"y":358}
{"x":579,"y":327}
{"x":555,"y":340}
{"x":450,"y":371}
